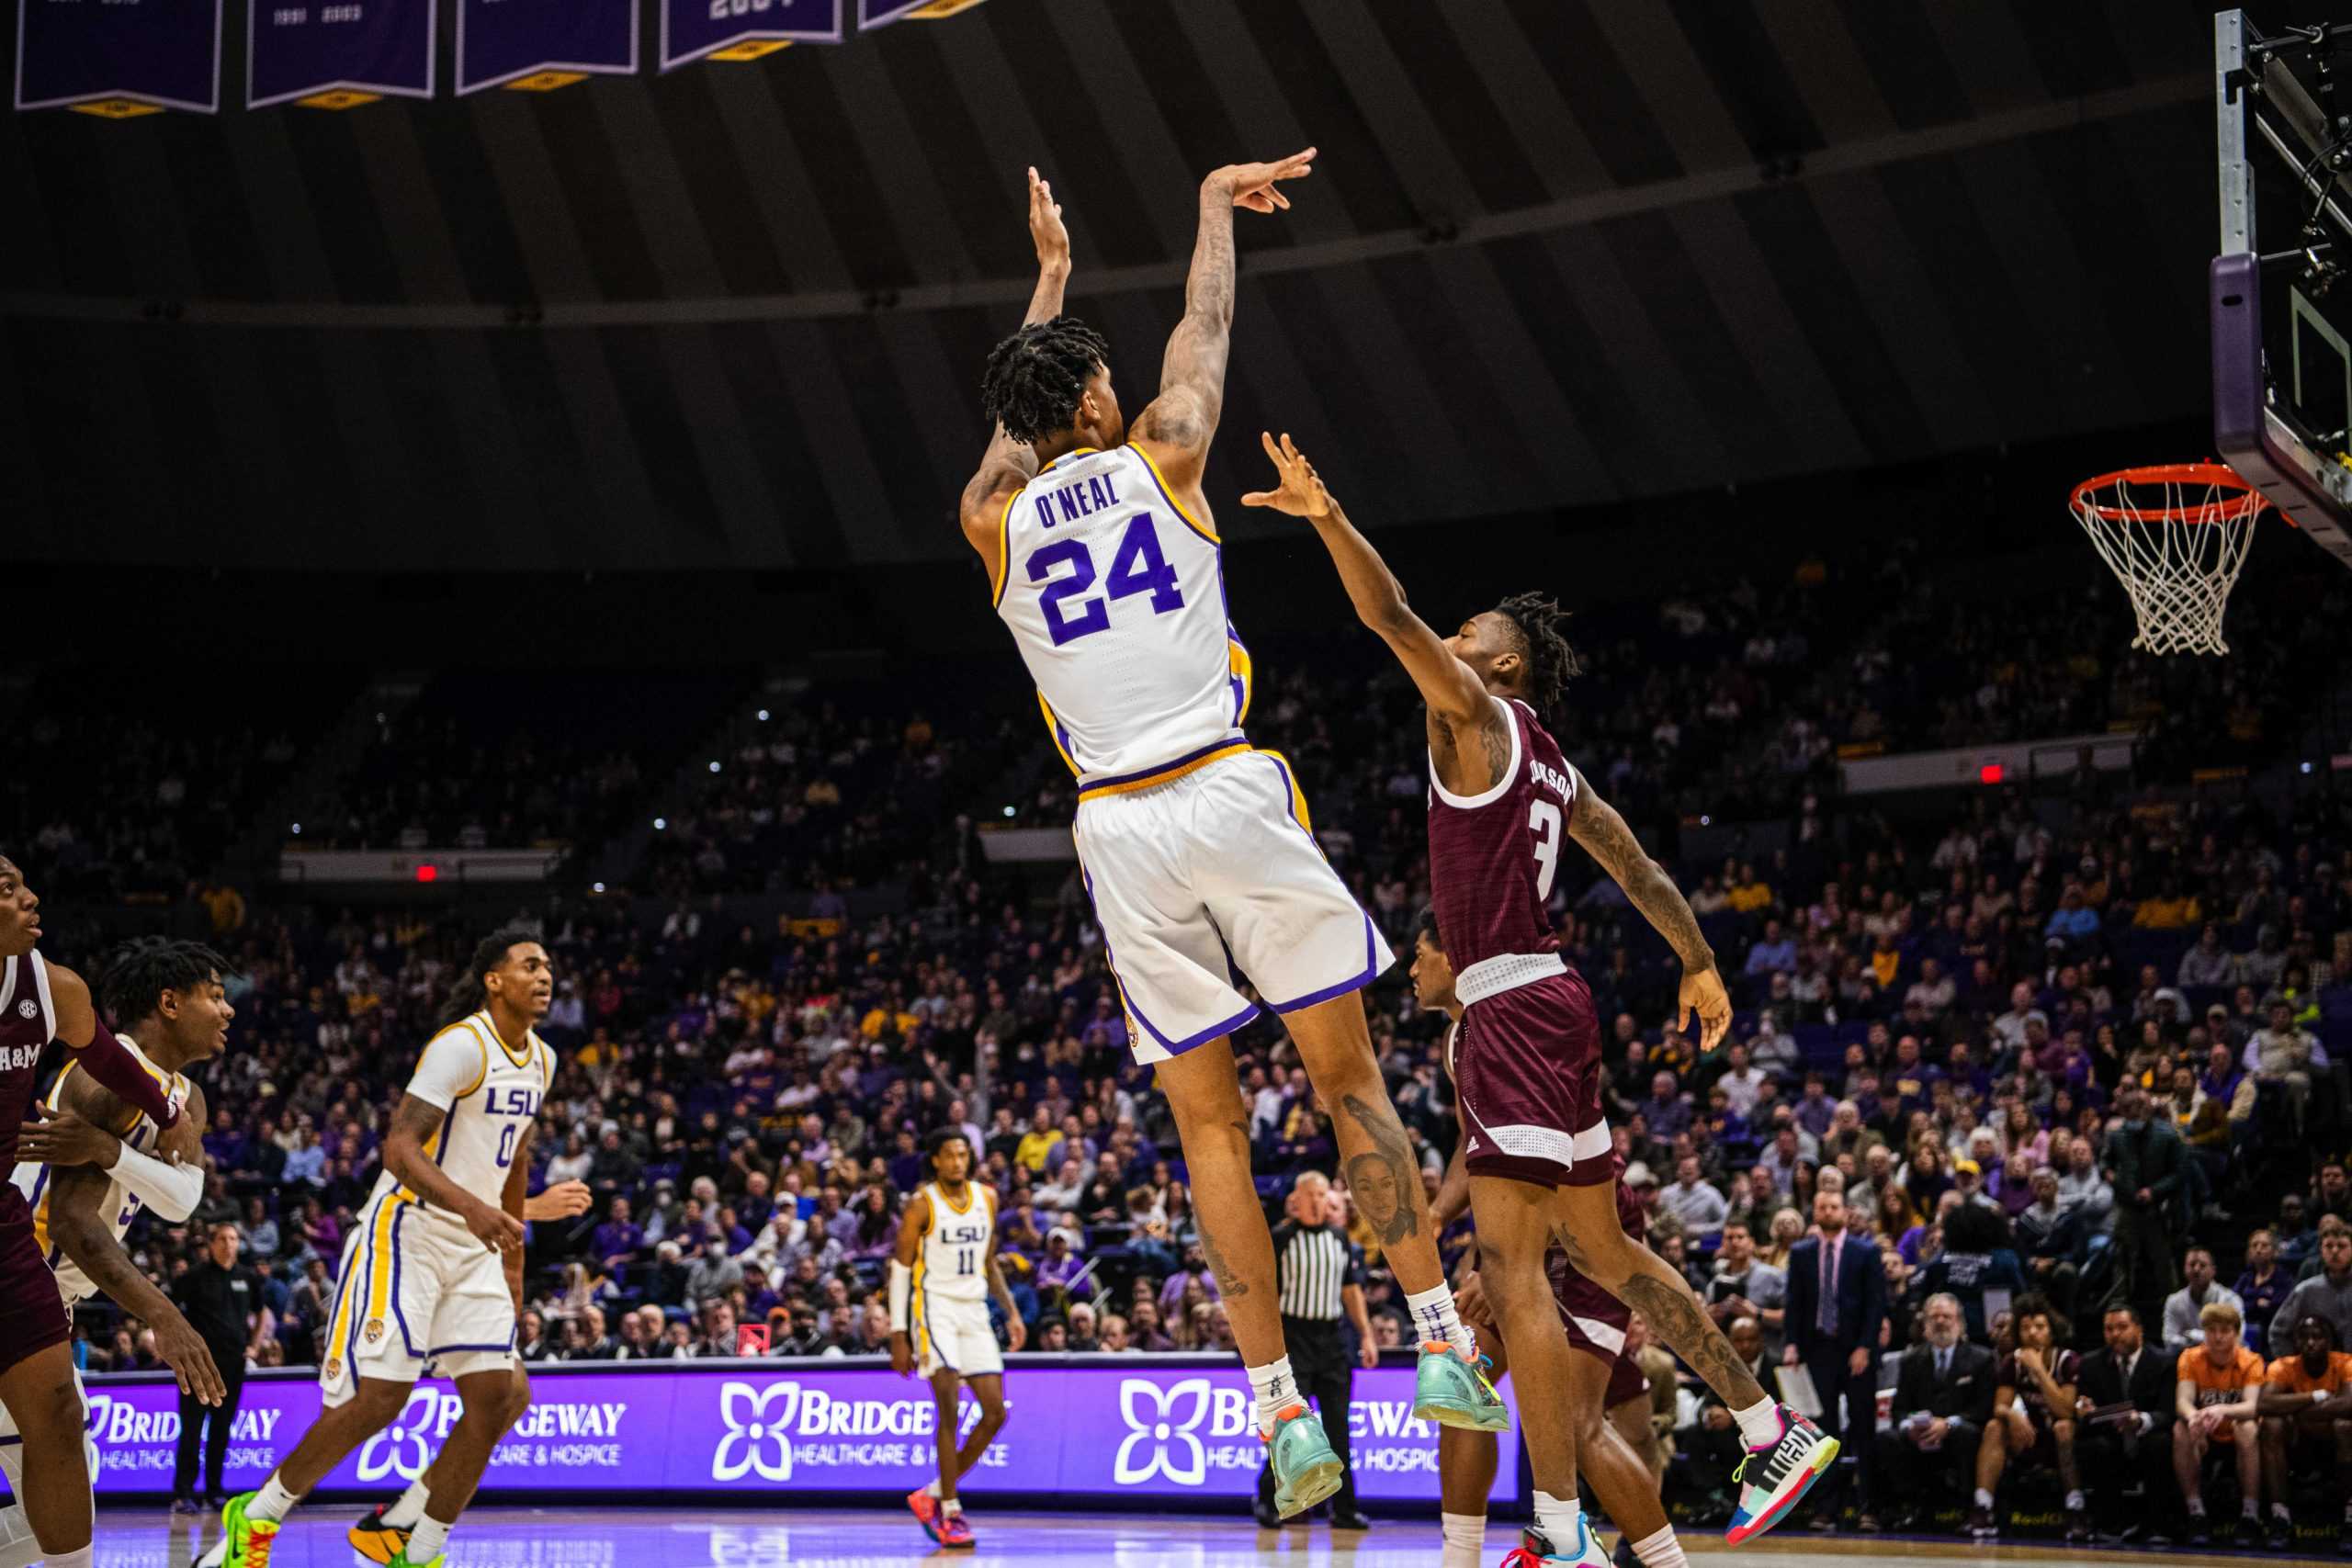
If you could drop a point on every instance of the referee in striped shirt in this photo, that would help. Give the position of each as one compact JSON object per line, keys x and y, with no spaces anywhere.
{"x":1319,"y":1274}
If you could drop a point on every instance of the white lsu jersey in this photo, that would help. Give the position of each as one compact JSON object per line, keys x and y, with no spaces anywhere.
{"x":953,"y":1265}
{"x":1115,"y":596}
{"x":487,"y":1094}
{"x":118,"y":1205}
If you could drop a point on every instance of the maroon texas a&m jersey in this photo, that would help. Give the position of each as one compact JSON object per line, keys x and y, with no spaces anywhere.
{"x":1493,"y":856}
{"x":28,"y":1024}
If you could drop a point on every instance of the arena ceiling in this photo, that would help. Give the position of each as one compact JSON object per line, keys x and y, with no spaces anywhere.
{"x":1556,"y":253}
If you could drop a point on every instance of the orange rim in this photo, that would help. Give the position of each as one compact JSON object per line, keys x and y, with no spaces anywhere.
{"x":2236,"y":508}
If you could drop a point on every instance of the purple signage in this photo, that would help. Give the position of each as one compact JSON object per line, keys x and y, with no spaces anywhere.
{"x":543,"y":42}
{"x":1090,"y":1425}
{"x":118,"y":56}
{"x":343,"y":51}
{"x":693,"y":29}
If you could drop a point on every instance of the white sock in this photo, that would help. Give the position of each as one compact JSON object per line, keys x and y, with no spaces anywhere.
{"x":1465,"y":1540}
{"x":404,"y":1514}
{"x":1760,"y":1424}
{"x":1561,"y":1523}
{"x":1984,"y":1498}
{"x":2250,"y":1510}
{"x":17,"y":1547}
{"x":1277,"y":1391}
{"x":272,"y":1502}
{"x":1660,"y":1550}
{"x":952,"y":1506}
{"x":931,"y":1486}
{"x":2196,"y":1507}
{"x":2280,"y":1511}
{"x":430,"y":1539}
{"x":2074,"y":1500}
{"x":1434,"y":1319}
{"x":82,"y":1558}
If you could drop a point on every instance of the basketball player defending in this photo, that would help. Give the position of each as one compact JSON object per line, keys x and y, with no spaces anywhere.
{"x":944,"y":1272}
{"x":1600,"y":1380}
{"x":1194,"y":848}
{"x":1502,"y":799}
{"x":432,"y":1272}
{"x":48,"y":1463}
{"x":89,"y":1168}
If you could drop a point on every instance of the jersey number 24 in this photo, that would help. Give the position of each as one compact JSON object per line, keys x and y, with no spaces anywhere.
{"x":1066,"y":570}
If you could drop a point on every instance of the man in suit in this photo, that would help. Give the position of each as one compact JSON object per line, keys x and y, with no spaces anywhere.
{"x":2132,"y":1446}
{"x":1836,"y":1306}
{"x":2146,"y":1162}
{"x":1944,"y":1396}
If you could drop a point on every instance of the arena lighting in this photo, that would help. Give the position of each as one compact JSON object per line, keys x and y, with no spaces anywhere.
{"x":428,"y":871}
{"x":1991,"y":773}
{"x":1705,"y":820}
{"x":2307,"y":768}
{"x":661,"y":824}
{"x":763,"y":716}
{"x":1008,"y":811}
{"x":298,"y":827}
{"x":714,"y":767}
{"x":595,"y":888}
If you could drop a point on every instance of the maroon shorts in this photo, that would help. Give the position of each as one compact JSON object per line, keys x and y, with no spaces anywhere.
{"x":1527,"y":1068}
{"x":32,"y":1313}
{"x":1596,"y":1321}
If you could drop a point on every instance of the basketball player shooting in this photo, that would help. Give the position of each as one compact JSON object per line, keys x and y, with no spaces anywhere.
{"x":1195,"y":847}
{"x":1527,"y":1062}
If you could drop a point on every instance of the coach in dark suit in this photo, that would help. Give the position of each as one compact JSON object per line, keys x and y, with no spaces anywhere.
{"x":2124,"y":1448}
{"x":1943,"y":1397}
{"x":1836,"y":1306}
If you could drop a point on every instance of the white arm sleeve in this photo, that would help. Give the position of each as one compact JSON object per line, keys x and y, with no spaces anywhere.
{"x":902,"y":1287}
{"x":454,"y":1064}
{"x":172,"y":1190}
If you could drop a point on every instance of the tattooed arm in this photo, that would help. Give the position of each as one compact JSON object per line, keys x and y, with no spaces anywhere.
{"x":1008,"y":464}
{"x":1595,"y":825}
{"x":1176,"y":428}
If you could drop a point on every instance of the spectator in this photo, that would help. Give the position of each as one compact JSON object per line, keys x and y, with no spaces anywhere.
{"x":2126,"y":1409}
{"x":1742,"y":1286}
{"x":2261,"y":1288}
{"x":1836,"y":1307}
{"x":1692,"y":1200}
{"x":2184,"y":1309}
{"x":1943,"y":1402}
{"x":2033,"y":1415}
{"x":2144,"y":1160}
{"x":2285,"y":1054}
{"x":2216,"y":1393}
{"x":2303,"y":1402}
{"x":2327,"y":1293}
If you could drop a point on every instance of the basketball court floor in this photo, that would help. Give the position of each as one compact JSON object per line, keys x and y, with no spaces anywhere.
{"x":703,"y":1537}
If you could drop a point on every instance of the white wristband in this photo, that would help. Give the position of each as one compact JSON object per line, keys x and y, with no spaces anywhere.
{"x":902,"y":1285}
{"x":172,"y":1190}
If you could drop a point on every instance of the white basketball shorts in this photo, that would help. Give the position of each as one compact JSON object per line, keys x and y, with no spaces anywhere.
{"x":953,"y":1334}
{"x":416,"y":1287}
{"x":1212,"y":877}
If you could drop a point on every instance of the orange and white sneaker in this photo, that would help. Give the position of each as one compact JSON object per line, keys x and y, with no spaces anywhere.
{"x":955,"y":1530}
{"x":925,"y":1508}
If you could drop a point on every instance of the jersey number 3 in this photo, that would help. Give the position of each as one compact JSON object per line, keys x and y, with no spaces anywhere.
{"x":1137,"y":566}
{"x":1543,"y":821}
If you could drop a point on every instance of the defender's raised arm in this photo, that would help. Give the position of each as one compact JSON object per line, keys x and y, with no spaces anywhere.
{"x":1008,"y":464}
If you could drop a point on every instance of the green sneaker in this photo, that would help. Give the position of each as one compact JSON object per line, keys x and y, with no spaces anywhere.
{"x":402,"y":1560}
{"x":1452,"y":1390}
{"x":244,"y":1543}
{"x":1305,"y":1470}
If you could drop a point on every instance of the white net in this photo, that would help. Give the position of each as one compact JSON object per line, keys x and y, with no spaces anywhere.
{"x":2176,"y":538}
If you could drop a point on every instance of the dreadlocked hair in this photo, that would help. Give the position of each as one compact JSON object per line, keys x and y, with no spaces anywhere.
{"x":1551,"y":662}
{"x":138,"y":973}
{"x":1035,"y":377}
{"x":471,"y":994}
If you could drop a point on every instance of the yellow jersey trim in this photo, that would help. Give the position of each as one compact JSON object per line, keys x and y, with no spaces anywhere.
{"x":1054,"y":734}
{"x":489,"y":1031}
{"x":1237,"y":660}
{"x":1166,"y":775}
{"x":1004,"y":547}
{"x":1298,"y":796}
{"x":1160,"y":478}
{"x":942,"y":1190}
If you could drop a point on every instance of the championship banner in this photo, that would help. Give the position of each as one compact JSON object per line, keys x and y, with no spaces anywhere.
{"x":119,"y":58}
{"x":1095,"y":1427}
{"x":335,"y":54}
{"x":537,"y":45}
{"x":743,"y":30}
{"x":881,"y":13}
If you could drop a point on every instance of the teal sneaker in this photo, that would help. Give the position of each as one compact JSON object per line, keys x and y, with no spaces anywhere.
{"x":1305,"y":1470}
{"x":1452,"y":1390}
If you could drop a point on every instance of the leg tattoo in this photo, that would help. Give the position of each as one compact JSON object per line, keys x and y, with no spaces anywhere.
{"x":1385,"y":1180}
{"x":1673,"y":1317}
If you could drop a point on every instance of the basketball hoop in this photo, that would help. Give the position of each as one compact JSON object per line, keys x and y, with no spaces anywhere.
{"x":2177,"y":535}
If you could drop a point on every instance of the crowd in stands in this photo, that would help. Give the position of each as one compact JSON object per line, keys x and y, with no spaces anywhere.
{"x":2043,"y":1057}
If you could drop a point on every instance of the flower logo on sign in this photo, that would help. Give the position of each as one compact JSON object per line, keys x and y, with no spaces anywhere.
{"x":400,"y":1448}
{"x":1162,"y":1432}
{"x":759,"y":1422}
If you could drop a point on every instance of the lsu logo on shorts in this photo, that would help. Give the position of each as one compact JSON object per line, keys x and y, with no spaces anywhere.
{"x":375,"y":1331}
